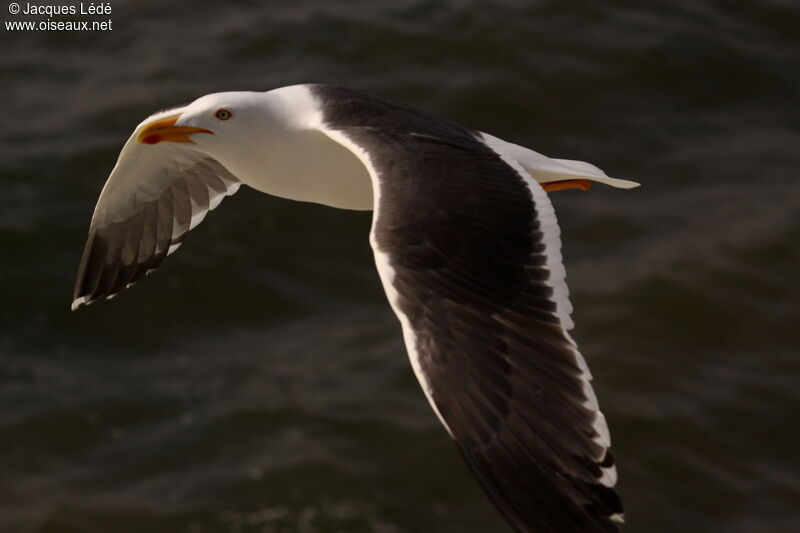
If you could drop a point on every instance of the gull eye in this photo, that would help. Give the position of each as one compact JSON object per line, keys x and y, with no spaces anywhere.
{"x":223,"y":114}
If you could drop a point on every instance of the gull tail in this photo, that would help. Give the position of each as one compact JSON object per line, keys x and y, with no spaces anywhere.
{"x":545,"y":169}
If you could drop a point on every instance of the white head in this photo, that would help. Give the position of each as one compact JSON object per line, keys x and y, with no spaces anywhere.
{"x":223,"y":125}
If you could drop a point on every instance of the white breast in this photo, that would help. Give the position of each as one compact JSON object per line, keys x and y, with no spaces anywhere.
{"x":311,"y":167}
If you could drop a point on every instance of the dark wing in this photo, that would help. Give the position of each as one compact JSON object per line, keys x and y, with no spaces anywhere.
{"x":153,"y":197}
{"x":468,"y":249}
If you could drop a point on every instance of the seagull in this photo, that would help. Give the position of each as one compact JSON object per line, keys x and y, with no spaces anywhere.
{"x":467,"y":248}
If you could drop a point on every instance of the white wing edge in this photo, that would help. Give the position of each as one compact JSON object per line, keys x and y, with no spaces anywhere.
{"x":551,"y":238}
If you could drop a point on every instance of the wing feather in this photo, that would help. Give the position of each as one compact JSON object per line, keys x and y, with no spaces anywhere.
{"x":154,"y":196}
{"x":469,"y":254}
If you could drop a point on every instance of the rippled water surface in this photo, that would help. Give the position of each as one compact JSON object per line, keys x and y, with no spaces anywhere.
{"x":258,"y":381}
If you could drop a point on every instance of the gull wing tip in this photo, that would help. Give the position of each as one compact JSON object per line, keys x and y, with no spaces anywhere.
{"x":77,"y":302}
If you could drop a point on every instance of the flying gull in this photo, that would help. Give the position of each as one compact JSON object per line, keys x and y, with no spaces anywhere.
{"x":466,"y":244}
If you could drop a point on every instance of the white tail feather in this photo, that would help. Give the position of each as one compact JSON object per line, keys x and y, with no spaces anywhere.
{"x":545,"y":169}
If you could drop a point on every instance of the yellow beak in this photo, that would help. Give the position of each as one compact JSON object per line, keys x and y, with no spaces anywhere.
{"x":166,"y":130}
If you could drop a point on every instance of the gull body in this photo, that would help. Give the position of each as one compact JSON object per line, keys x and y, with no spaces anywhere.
{"x":467,"y":248}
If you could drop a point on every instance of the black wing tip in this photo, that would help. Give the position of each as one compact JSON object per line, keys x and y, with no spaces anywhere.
{"x":77,"y":302}
{"x":97,"y":280}
{"x":89,"y":300}
{"x":81,"y":298}
{"x":602,"y":513}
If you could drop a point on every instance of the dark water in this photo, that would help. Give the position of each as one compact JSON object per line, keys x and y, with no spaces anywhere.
{"x":258,"y":382}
